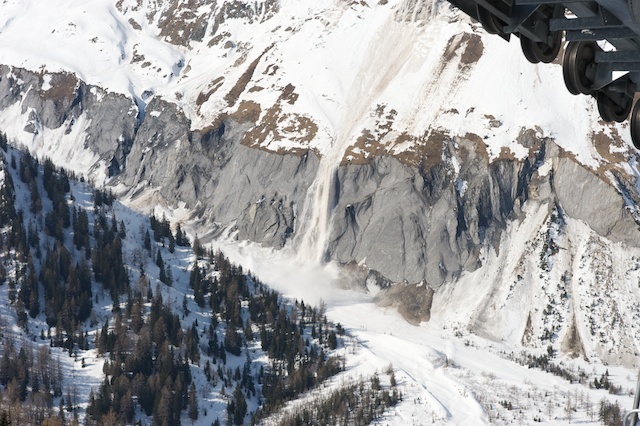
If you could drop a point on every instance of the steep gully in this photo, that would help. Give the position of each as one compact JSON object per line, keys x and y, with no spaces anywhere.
{"x":322,"y":198}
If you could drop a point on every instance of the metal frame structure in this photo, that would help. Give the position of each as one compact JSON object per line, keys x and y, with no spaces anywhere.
{"x":587,"y":68}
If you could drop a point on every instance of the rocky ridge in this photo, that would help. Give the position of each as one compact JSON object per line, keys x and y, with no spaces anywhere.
{"x":411,"y":222}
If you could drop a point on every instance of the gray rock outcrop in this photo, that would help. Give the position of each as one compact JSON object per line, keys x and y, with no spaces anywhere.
{"x":113,"y":117}
{"x":411,"y":223}
{"x":222,"y":180}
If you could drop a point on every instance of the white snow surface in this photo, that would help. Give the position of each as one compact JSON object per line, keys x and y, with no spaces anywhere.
{"x":345,"y":60}
{"x":459,"y":367}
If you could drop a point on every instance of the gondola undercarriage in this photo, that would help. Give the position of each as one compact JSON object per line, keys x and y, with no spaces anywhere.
{"x":587,"y":68}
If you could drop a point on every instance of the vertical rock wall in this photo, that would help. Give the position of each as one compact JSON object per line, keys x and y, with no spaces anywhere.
{"x":411,"y":223}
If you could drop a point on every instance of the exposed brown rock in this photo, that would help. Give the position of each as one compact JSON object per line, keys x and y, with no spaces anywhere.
{"x":412,"y":301}
{"x":242,"y":82}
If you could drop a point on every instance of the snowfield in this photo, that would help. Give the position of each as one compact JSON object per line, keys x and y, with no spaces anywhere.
{"x":421,"y":63}
{"x":447,"y":374}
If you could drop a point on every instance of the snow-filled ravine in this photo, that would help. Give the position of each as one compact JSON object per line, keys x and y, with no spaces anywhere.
{"x":446,"y":374}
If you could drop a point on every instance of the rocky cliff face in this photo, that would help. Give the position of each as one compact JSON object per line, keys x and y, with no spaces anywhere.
{"x":58,"y":102}
{"x":373,"y":134}
{"x":183,"y":23}
{"x":209,"y":171}
{"x":226,"y":183}
{"x":412,"y":219}
{"x":431,"y":223}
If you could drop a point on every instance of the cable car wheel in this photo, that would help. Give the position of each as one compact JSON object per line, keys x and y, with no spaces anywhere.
{"x":612,"y":111}
{"x":635,"y":125}
{"x":490,"y":22}
{"x":578,"y":66}
{"x":541,"y":52}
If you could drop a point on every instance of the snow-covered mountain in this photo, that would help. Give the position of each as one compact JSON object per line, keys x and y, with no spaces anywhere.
{"x":394,"y":140}
{"x":343,"y":93}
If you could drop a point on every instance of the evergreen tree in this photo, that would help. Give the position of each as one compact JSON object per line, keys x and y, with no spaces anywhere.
{"x":163,"y":275}
{"x":193,"y":402}
{"x":147,"y":241}
{"x":232,"y":340}
{"x":122,"y":230}
{"x":332,"y":340}
{"x":181,"y":237}
{"x":172,"y":244}
{"x":5,"y":420}
{"x":197,"y":248}
{"x":169,"y":276}
{"x":3,"y":145}
{"x":240,"y":407}
{"x":248,"y":332}
{"x":36,"y":202}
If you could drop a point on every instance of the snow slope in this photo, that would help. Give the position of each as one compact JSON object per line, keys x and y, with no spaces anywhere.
{"x":447,"y":373}
{"x":422,"y":63}
{"x":82,"y":368}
